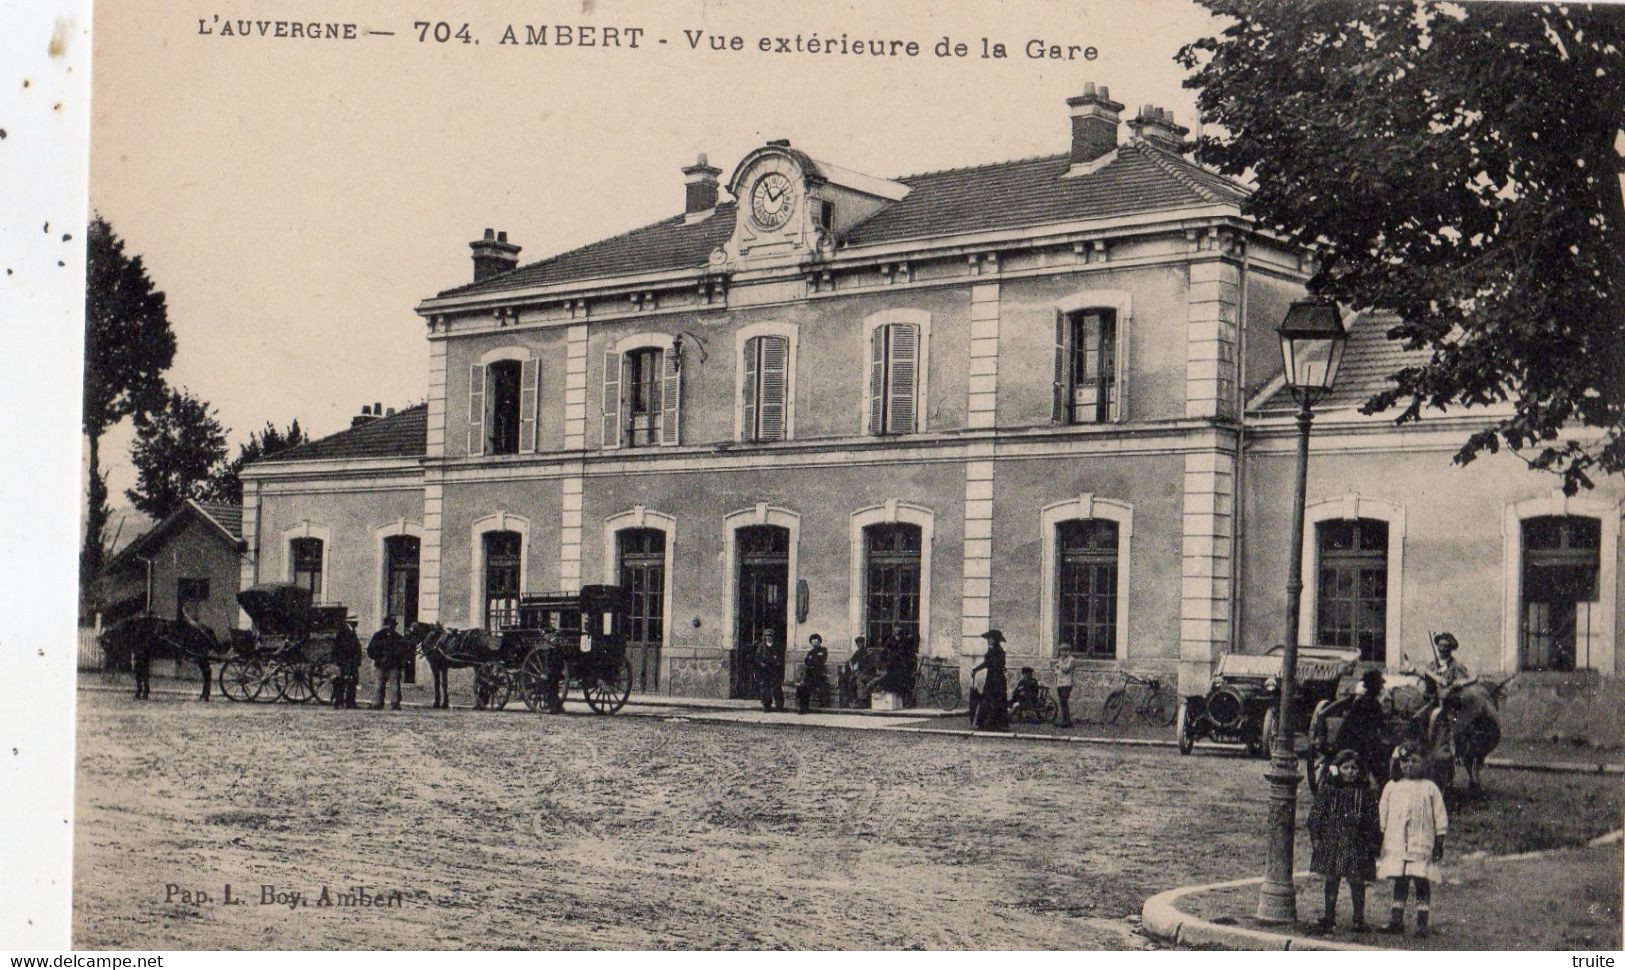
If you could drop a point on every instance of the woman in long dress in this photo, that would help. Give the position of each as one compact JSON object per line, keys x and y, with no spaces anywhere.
{"x":993,"y":711}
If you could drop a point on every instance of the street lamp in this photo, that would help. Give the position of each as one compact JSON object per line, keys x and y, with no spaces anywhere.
{"x":1312,"y":341}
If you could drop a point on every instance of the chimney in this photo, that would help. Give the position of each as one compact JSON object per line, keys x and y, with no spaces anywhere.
{"x":362,"y":418}
{"x":493,"y":254}
{"x":1094,"y":124}
{"x":700,"y":187}
{"x":1156,"y":125}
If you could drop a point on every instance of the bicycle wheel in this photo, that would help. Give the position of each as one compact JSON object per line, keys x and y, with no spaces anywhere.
{"x":947,"y":694}
{"x":1154,"y":709}
{"x":1113,"y":707}
{"x":1169,"y":699}
{"x":1048,"y":710}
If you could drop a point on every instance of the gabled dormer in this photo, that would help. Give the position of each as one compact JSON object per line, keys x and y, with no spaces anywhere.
{"x":790,"y":207}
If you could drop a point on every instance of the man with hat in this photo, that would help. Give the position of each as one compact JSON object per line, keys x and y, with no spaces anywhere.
{"x":388,"y":652}
{"x":770,"y":670}
{"x":1363,"y":725}
{"x":1446,"y":675}
{"x":814,"y":686}
{"x":993,"y":710}
{"x":347,"y":658}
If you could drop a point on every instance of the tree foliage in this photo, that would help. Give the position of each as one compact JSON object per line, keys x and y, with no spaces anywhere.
{"x":1457,"y":165}
{"x":226,"y":485}
{"x":177,"y":450}
{"x":128,"y":346}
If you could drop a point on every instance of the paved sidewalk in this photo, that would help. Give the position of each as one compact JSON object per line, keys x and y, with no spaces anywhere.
{"x":1564,"y":899}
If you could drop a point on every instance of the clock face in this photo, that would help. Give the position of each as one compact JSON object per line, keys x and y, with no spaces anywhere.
{"x":770,"y":200}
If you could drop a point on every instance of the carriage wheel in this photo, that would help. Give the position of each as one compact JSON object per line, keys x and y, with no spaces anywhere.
{"x":567,"y":675}
{"x":501,"y":690}
{"x":238,"y":682}
{"x":606,"y":695}
{"x":1182,"y":728}
{"x":320,"y":678}
{"x":532,"y":679}
{"x":292,"y":684}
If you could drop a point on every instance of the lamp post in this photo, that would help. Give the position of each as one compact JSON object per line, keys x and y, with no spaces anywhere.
{"x":1312,"y":340}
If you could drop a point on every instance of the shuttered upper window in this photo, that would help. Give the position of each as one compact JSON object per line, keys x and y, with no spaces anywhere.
{"x":1085,"y":383}
{"x":896,"y":375}
{"x":764,"y":386}
{"x":643,"y":389}
{"x":502,"y":401}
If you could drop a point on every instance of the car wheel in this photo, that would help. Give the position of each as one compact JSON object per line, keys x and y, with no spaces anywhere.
{"x":1182,"y":729}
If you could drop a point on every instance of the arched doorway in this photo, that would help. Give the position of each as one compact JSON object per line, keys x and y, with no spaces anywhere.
{"x":641,"y":553}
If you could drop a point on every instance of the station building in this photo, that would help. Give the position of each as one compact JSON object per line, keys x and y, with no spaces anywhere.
{"x":1042,"y":395}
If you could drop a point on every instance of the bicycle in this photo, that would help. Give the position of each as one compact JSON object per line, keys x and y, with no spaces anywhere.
{"x":937,"y":682}
{"x":1157,"y":704}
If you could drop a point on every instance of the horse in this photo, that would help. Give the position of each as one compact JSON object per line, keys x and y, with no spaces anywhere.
{"x":447,"y":649}
{"x":136,"y":640}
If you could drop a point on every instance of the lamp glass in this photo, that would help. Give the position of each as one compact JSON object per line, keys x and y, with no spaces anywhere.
{"x":1312,"y":342}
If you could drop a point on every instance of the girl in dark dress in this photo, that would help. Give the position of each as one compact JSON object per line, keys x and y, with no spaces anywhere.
{"x":1346,"y":835}
{"x":993,"y":710}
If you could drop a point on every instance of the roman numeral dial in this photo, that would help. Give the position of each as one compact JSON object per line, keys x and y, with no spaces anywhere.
{"x":771,"y":200}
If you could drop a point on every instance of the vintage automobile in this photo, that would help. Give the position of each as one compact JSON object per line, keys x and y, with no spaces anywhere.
{"x":1241,"y":703}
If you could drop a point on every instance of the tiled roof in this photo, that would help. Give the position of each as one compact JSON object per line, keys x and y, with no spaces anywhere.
{"x":1007,"y":195}
{"x":1367,"y":361}
{"x":226,"y":515}
{"x":400,"y":435}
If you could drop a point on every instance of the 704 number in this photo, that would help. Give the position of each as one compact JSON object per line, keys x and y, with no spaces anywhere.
{"x":442,"y":32}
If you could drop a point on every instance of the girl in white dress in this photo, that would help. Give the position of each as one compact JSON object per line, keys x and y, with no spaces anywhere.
{"x":1413,"y":827}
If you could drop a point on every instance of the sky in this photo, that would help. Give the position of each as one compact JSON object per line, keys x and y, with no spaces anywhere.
{"x":294,"y":199}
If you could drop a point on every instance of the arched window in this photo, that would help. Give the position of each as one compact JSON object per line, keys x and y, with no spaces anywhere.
{"x":501,"y":561}
{"x":1090,"y":360}
{"x":643,"y":389}
{"x":502,"y":401}
{"x":1086,"y":598}
{"x":305,"y":565}
{"x":1351,"y":580}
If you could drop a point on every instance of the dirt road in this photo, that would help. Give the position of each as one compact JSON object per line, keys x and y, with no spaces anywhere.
{"x":517,"y":830}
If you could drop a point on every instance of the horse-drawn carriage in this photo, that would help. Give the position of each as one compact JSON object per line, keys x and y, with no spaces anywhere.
{"x":567,"y":640}
{"x":289,"y":655}
{"x":1242,"y":703}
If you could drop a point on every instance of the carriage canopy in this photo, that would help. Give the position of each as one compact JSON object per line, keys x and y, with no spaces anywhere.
{"x":285,"y":610}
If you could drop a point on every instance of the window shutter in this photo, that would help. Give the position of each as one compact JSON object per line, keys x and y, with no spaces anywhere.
{"x":877,"y":380}
{"x":748,"y":428}
{"x":671,"y":400}
{"x":476,"y":409}
{"x":775,"y":374}
{"x":904,"y":373}
{"x":529,"y":393}
{"x":1061,"y":388}
{"x":612,"y":399}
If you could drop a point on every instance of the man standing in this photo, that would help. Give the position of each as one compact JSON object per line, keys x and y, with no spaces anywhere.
{"x":388,"y":652}
{"x":347,"y":658}
{"x":814,"y":686}
{"x":1065,"y":663}
{"x":770,"y":670}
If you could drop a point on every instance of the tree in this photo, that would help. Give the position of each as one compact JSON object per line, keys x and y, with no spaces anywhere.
{"x":1457,"y":165}
{"x":128,"y":346}
{"x":225,"y":485}
{"x":177,"y":450}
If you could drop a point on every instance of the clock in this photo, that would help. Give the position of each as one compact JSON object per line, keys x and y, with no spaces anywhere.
{"x":770,"y":200}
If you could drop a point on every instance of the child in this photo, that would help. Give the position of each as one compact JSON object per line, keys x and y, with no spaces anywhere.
{"x":1413,"y":829}
{"x":1345,"y":833}
{"x":1024,"y":699}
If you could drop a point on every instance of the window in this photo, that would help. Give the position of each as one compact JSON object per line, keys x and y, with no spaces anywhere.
{"x":502,"y":392}
{"x":1352,"y":586}
{"x":190,"y":596}
{"x":894,"y":378}
{"x":306,"y":556}
{"x":1085,"y":384}
{"x":642,"y":393}
{"x":502,"y":550}
{"x":892,"y":578}
{"x":1561,"y":562}
{"x":643,"y":397}
{"x":1086,"y":617}
{"x":764,"y":387}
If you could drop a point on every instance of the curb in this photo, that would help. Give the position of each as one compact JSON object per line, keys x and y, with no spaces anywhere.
{"x":1161,"y":918}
